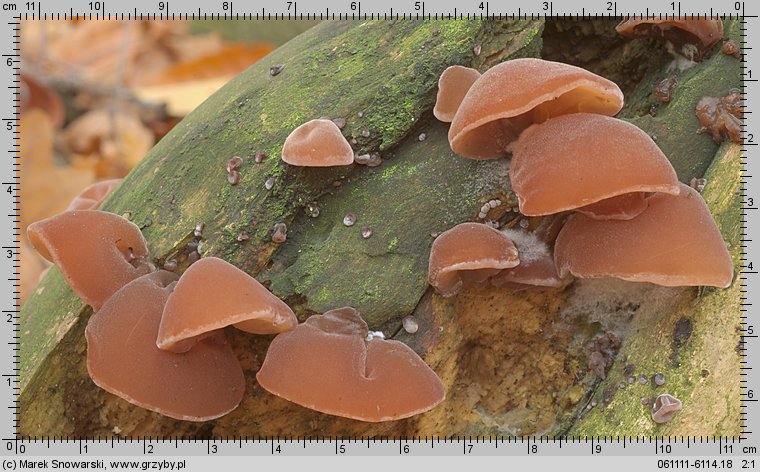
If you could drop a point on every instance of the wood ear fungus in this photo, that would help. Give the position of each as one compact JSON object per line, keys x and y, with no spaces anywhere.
{"x":97,"y":252}
{"x":317,"y":143}
{"x":331,"y":364}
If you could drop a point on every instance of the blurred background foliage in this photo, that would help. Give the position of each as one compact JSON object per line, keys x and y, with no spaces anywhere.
{"x":97,"y":95}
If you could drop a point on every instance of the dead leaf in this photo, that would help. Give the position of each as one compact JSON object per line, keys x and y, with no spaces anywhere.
{"x":103,"y":52}
{"x":112,"y":143}
{"x":46,"y":188}
{"x":32,"y":266}
{"x":182,"y":98}
{"x":231,"y":60}
{"x":35,"y":94}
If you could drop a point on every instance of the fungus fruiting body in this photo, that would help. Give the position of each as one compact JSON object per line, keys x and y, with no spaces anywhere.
{"x":122,"y":358}
{"x":349,"y":219}
{"x":317,"y":143}
{"x":212,"y":294}
{"x":93,"y":195}
{"x":620,"y":207}
{"x":536,"y":263}
{"x":730,"y":48}
{"x":97,"y":252}
{"x":280,"y":233}
{"x":534,"y":248}
{"x":663,"y":89}
{"x":665,"y":407}
{"x":673,"y":242}
{"x":330,"y":364}
{"x":577,"y":160}
{"x":453,"y":85}
{"x":410,"y":324}
{"x":511,"y":96}
{"x":369,"y":160}
{"x":721,"y":116}
{"x":690,"y":37}
{"x":468,"y":253}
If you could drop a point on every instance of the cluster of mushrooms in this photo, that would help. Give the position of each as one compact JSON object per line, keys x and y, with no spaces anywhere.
{"x":156,"y":339}
{"x":611,"y":202}
{"x":610,"y":206}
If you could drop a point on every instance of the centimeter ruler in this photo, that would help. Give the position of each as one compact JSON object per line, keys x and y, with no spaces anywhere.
{"x":720,"y":449}
{"x":366,"y":10}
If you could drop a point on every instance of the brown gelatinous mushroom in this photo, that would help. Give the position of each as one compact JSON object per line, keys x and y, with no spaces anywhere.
{"x":674,"y":242}
{"x":515,"y":94}
{"x":212,"y":294}
{"x":468,"y":253}
{"x":97,"y":252}
{"x":690,"y":37}
{"x":122,"y":358}
{"x":721,"y":116}
{"x":317,"y":143}
{"x":536,"y":251}
{"x":330,"y":364}
{"x":580,"y":160}
{"x":621,"y":207}
{"x":665,"y":407}
{"x":453,"y":85}
{"x":93,"y":195}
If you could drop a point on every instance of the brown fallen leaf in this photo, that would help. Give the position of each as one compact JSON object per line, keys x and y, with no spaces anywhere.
{"x":180,"y":99}
{"x":32,"y":265}
{"x":104,"y":52}
{"x":230,"y":60}
{"x":35,"y":94}
{"x":110,"y":143}
{"x":46,"y":187}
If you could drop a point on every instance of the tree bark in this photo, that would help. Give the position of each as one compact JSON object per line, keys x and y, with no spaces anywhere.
{"x":512,"y":362}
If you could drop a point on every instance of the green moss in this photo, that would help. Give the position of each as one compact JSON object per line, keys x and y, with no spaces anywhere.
{"x":384,"y":276}
{"x":392,"y":245}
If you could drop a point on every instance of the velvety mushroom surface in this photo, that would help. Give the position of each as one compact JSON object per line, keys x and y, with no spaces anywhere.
{"x":453,"y":85}
{"x":674,"y":242}
{"x":317,"y":143}
{"x":97,"y":252}
{"x":328,"y":364}
{"x":535,"y":249}
{"x":576,"y":160}
{"x":515,"y":94}
{"x":212,"y":294}
{"x":468,"y":253}
{"x":122,"y":358}
{"x":93,"y":195}
{"x":621,"y":207}
{"x":692,"y":37}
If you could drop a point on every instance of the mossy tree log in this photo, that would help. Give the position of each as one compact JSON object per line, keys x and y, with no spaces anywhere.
{"x":507,"y":358}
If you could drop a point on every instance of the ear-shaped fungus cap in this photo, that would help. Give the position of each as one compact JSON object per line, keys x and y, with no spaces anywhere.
{"x":513,"y":95}
{"x":327,"y":364}
{"x":576,"y":160}
{"x":691,"y":36}
{"x":468,"y":252}
{"x":97,"y":252}
{"x":212,"y":294}
{"x":674,"y":242}
{"x":93,"y":195}
{"x":453,"y":85}
{"x":122,"y":358}
{"x":317,"y":143}
{"x":665,"y":407}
